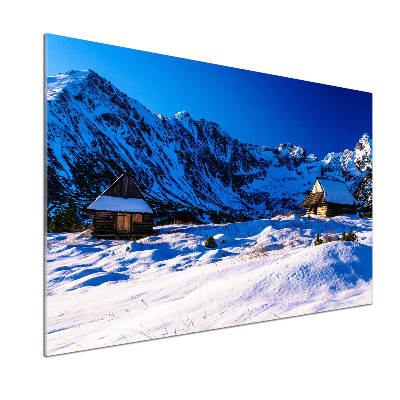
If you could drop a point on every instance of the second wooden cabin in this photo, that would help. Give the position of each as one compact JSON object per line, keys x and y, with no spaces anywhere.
{"x":121,"y":211}
{"x":329,"y":198}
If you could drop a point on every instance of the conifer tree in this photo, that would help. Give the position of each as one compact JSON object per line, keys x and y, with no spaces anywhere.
{"x":351,"y":236}
{"x":317,"y":240}
{"x":71,"y":219}
{"x":56,"y":224}
{"x":66,"y":219}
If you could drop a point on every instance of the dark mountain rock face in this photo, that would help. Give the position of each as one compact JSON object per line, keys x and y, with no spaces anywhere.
{"x":94,"y":132}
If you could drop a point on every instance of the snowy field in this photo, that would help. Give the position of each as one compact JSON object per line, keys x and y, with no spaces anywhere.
{"x":103,"y":293}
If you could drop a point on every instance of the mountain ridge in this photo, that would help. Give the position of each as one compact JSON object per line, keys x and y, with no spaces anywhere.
{"x":95,"y":131}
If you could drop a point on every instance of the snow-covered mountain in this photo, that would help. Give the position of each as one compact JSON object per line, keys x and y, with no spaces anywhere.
{"x":94,"y":132}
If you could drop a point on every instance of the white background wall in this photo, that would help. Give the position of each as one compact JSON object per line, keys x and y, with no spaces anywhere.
{"x":344,"y":354}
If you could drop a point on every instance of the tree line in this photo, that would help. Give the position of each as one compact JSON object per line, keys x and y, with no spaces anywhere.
{"x":66,"y":219}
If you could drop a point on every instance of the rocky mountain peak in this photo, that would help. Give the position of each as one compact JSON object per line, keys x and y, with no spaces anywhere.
{"x":182,"y":115}
{"x":363,"y":153}
{"x":96,"y":131}
{"x":365,"y":143}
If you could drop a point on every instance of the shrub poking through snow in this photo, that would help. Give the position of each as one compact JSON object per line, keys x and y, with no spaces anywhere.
{"x":346,"y":237}
{"x":317,"y":240}
{"x":349,"y":237}
{"x":210,"y":243}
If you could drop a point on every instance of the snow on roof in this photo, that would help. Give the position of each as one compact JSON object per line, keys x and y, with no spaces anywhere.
{"x":111,"y":203}
{"x":336,"y":192}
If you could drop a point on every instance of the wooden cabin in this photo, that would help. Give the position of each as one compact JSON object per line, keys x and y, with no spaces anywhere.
{"x":329,"y":198}
{"x":121,"y":211}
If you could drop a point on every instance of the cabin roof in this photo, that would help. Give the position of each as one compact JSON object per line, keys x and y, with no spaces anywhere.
{"x":334,"y":192}
{"x":313,"y":199}
{"x":120,"y":204}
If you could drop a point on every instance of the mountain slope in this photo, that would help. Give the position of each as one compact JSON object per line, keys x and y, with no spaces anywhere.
{"x":94,"y":132}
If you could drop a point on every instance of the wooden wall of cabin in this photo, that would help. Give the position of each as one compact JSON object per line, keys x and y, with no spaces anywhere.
{"x":143,"y":228}
{"x":320,"y":211}
{"x":105,"y":225}
{"x":340,"y":209}
{"x":331,"y":210}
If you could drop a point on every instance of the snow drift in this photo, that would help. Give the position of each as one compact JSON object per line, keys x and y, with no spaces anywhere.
{"x":101,"y":293}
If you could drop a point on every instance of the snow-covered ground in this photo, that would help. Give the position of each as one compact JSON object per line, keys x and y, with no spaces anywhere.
{"x":102,"y":292}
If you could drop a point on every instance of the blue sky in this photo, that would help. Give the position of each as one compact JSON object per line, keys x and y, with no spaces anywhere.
{"x":253,"y":107}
